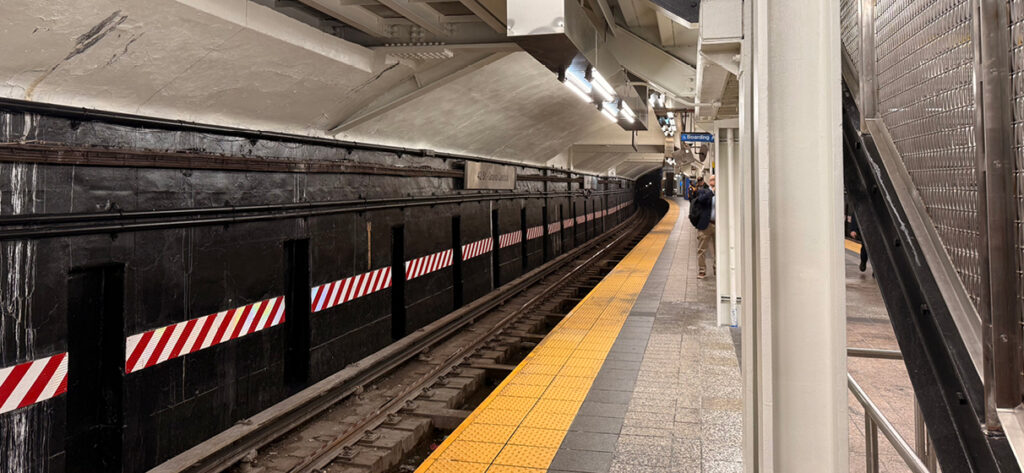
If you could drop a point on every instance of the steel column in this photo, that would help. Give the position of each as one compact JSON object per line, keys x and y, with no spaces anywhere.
{"x":868,"y":81}
{"x":799,"y":300}
{"x":871,"y":444}
{"x":1002,"y":346}
{"x":749,"y":336}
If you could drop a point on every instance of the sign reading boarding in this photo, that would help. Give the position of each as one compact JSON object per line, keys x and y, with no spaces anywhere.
{"x":697,"y":137}
{"x":489,"y":176}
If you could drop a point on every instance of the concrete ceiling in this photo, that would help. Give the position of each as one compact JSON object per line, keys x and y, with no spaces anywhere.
{"x":281,"y":66}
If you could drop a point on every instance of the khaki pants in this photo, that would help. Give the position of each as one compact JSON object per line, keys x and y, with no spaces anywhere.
{"x":705,"y":243}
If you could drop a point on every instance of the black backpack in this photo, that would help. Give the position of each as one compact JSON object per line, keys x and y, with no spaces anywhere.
{"x":694,"y":213}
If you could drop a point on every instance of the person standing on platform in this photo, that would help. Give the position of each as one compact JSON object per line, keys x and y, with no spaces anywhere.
{"x":695,"y":188}
{"x":702,"y":216}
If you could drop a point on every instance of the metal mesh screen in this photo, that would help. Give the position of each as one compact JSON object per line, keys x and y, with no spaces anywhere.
{"x":925,"y":92}
{"x":848,"y":18}
{"x":1017,"y":79}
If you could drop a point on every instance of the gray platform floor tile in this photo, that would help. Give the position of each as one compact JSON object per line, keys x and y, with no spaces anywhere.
{"x":668,"y":397}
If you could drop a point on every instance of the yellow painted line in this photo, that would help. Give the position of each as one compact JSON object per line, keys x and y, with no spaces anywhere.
{"x":520,"y":425}
{"x":852,"y":246}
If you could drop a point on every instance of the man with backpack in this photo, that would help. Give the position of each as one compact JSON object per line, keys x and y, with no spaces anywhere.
{"x":702,"y":217}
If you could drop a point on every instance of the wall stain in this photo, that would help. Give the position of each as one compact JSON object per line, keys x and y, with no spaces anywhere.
{"x":82,"y":44}
{"x":114,"y":57}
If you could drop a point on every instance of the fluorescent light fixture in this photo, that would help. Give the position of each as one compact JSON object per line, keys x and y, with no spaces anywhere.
{"x":603,"y":93}
{"x":583,"y":95}
{"x":625,"y":110}
{"x":579,"y":86}
{"x":609,"y":113}
{"x":601,"y":86}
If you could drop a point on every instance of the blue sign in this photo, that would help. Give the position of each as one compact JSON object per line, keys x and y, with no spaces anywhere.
{"x":697,"y":137}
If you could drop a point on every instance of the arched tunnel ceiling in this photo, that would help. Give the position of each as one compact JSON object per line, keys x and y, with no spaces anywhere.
{"x":513,"y":107}
{"x":238,"y":63}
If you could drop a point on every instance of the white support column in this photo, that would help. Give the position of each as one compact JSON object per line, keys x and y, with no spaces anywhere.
{"x":797,"y":403}
{"x":724,"y":222}
{"x":735,"y":224}
{"x":727,"y":222}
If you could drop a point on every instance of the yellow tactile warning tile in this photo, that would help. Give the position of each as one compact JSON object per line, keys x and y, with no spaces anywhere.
{"x":526,"y":456}
{"x":537,"y":437}
{"x":448,"y":466}
{"x":514,"y":469}
{"x":852,"y":246}
{"x":520,"y":425}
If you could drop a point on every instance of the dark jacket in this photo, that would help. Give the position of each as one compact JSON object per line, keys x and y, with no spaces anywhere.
{"x":853,"y":227}
{"x":700,"y":208}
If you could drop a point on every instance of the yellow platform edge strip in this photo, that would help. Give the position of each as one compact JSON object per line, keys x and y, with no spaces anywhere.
{"x":520,"y":425}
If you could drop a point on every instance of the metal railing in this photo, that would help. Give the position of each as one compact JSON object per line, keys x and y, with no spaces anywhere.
{"x":920,"y":459}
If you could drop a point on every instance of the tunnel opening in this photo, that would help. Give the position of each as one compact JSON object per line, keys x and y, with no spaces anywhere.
{"x":457,"y":278}
{"x":297,"y":312}
{"x":496,"y":254}
{"x":399,"y":323}
{"x":523,"y":253}
{"x":96,"y":347}
{"x":545,"y":248}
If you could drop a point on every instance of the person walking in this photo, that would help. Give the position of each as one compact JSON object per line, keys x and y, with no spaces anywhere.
{"x":855,"y":234}
{"x":702,"y":216}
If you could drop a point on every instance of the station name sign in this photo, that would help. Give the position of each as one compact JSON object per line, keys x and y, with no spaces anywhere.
{"x":490,"y":176}
{"x":697,"y":137}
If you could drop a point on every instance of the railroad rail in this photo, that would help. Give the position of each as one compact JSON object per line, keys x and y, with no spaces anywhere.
{"x":243,"y":440}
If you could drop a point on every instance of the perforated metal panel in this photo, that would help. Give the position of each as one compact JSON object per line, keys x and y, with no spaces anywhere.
{"x":848,"y":17}
{"x":1017,"y":79}
{"x":926,"y":99}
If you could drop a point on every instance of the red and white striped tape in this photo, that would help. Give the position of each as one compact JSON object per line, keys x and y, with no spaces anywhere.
{"x":477,"y":248}
{"x":590,"y":216}
{"x":33,"y":381}
{"x":338,"y":292}
{"x":581,"y":218}
{"x":554,"y":227}
{"x":166,"y":343}
{"x":535,"y":232}
{"x":427,"y":264}
{"x":568,"y":223}
{"x":509,"y":239}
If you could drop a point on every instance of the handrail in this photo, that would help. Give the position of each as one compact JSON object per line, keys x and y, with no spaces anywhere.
{"x":874,"y":420}
{"x":874,"y":353}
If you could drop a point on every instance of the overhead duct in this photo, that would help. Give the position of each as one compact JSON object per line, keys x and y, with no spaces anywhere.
{"x":565,"y":36}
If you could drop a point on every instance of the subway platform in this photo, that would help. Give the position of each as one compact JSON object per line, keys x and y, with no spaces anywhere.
{"x":636,"y":378}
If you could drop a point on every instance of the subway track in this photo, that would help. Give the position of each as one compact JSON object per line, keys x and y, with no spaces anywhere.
{"x":385,"y":413}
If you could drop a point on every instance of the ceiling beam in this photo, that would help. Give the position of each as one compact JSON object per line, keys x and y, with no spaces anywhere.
{"x":665,"y":33}
{"x":416,"y":86}
{"x":602,"y":162}
{"x":629,"y":12}
{"x":653,"y":64}
{"x":457,"y":48}
{"x":355,"y":16}
{"x":498,"y":24}
{"x":643,"y":149}
{"x":606,"y":13}
{"x":269,"y":22}
{"x":419,"y":13}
